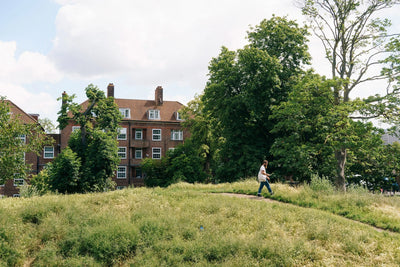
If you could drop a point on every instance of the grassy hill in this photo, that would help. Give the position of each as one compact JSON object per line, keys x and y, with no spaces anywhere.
{"x":194,"y":225}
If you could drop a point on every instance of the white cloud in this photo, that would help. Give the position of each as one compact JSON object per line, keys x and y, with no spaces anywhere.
{"x":153,"y":41}
{"x":27,"y":68}
{"x":31,"y":102}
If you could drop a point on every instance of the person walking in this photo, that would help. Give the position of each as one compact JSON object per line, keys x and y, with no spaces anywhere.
{"x":263,"y":178}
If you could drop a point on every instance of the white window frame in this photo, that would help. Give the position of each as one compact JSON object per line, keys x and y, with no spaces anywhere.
{"x":176,"y":135}
{"x":154,"y":114}
{"x":120,"y":187}
{"x":178,"y":116}
{"x":137,"y":131}
{"x":157,"y":154}
{"x":48,"y":152}
{"x":121,"y":174}
{"x":122,"y":154}
{"x":125,"y":112}
{"x":136,"y":153}
{"x":122,"y":134}
{"x":21,"y":181}
{"x":156,"y":134}
{"x":23,"y":138}
{"x":75,"y":128}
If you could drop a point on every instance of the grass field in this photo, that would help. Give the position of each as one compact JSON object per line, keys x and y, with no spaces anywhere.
{"x":193,"y":225}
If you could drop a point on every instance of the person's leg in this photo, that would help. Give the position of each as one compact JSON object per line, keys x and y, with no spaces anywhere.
{"x":268,"y":187}
{"x":260,"y":188}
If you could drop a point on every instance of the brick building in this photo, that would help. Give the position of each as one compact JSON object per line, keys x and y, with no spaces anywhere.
{"x":149,"y":129}
{"x":10,"y":188}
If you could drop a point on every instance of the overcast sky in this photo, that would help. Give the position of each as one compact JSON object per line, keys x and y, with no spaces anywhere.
{"x":51,"y":46}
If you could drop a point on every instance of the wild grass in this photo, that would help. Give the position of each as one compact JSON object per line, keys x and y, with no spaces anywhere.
{"x":377,"y":210}
{"x":187,"y":225}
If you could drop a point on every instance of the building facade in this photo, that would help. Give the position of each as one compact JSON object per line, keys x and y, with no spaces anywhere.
{"x":11,"y":187}
{"x":149,"y":129}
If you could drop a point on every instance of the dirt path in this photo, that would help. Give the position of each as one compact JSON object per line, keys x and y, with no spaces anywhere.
{"x":276,"y":201}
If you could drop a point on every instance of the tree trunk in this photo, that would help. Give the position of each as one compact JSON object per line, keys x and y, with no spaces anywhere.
{"x":340,"y":156}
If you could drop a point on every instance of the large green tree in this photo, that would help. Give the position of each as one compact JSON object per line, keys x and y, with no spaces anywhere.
{"x":242,"y":87}
{"x":95,"y":143}
{"x":357,"y":42}
{"x":17,"y":138}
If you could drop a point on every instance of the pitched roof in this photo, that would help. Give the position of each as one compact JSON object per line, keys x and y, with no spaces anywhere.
{"x":15,"y":110}
{"x":139,"y":109}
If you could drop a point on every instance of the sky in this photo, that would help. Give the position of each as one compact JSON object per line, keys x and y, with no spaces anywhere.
{"x":51,"y":46}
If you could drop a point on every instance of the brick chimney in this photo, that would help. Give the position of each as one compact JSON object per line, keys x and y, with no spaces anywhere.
{"x":110,"y":90}
{"x":159,"y":96}
{"x":64,"y":94}
{"x":35,"y":116}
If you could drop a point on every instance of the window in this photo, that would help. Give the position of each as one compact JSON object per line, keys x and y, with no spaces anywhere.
{"x":48,"y":152}
{"x":176,"y":135}
{"x":75,"y":128}
{"x":156,"y":134}
{"x":138,"y":153}
{"x":122,"y":134}
{"x":154,"y":114}
{"x":120,"y":187}
{"x":121,"y":172}
{"x":138,"y":134}
{"x":23,"y":138}
{"x":178,"y":116}
{"x":19,"y":181}
{"x":156,"y":153}
{"x":125,"y":112}
{"x":16,"y":195}
{"x":138,"y":173}
{"x":122,"y":152}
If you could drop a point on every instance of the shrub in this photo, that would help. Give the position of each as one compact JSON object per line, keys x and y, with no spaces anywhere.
{"x":321,"y":184}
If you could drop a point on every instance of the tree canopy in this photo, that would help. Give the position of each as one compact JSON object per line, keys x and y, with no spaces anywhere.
{"x":356,"y":42}
{"x":16,"y":139}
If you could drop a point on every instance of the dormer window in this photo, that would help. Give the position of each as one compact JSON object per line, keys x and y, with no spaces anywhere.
{"x":154,"y":114}
{"x":178,"y":116}
{"x":125,"y":112}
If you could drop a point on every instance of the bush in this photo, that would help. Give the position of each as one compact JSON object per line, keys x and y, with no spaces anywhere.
{"x":321,"y":184}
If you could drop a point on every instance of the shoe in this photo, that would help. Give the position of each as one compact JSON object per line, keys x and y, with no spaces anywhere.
{"x":259,"y":195}
{"x":272,"y":193}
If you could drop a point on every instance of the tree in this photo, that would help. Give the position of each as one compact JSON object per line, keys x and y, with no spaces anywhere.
{"x":204,"y":141}
{"x":48,"y":126}
{"x":17,"y":138}
{"x":242,"y":87}
{"x":64,"y":172}
{"x":356,"y":41}
{"x":95,"y":143}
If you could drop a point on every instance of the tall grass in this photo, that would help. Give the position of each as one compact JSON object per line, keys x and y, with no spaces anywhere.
{"x":184,"y":225}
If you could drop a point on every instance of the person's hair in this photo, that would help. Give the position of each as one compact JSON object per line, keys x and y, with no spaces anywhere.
{"x":265,"y":161}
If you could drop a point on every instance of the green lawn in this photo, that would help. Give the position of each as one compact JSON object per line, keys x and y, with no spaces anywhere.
{"x":192,"y":225}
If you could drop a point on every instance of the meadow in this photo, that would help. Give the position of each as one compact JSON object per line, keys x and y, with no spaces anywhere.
{"x":195,"y":225}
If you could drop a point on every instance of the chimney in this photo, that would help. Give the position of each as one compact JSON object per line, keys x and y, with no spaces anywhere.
{"x":159,"y":96}
{"x":63,"y":96}
{"x":110,"y":90}
{"x":35,"y":116}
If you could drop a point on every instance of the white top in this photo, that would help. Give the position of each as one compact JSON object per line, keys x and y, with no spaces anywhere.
{"x":262,"y":177}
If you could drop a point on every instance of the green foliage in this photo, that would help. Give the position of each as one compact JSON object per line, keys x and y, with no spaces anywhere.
{"x":12,"y":147}
{"x":28,"y":191}
{"x":321,"y":184}
{"x":95,"y":144}
{"x":355,"y":40}
{"x":186,"y":165}
{"x":64,"y":172}
{"x":41,"y":182}
{"x":101,"y":162}
{"x":156,"y":172}
{"x":241,"y":89}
